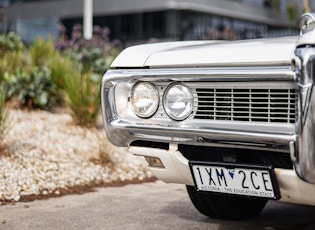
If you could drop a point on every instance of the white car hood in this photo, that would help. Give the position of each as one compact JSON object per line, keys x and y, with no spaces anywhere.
{"x":276,"y":51}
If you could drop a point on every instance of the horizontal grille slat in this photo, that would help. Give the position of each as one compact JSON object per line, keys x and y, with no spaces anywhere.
{"x":241,"y":112}
{"x":258,"y":105}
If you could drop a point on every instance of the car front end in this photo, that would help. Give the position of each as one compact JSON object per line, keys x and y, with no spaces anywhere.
{"x":204,"y":109}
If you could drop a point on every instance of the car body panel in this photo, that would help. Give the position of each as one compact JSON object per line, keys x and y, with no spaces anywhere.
{"x":209,"y":53}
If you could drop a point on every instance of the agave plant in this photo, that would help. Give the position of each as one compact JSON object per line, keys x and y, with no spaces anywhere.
{"x":34,"y":90}
{"x":10,"y":42}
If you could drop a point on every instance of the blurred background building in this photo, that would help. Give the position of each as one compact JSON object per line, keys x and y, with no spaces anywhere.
{"x":134,"y":21}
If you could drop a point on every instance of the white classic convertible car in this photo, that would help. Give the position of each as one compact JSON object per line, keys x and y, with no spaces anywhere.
{"x":232,"y":120}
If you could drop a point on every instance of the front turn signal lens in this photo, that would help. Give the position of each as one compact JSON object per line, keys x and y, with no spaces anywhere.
{"x":154,"y":162}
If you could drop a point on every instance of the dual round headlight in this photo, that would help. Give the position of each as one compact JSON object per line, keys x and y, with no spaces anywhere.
{"x":177,"y":100}
{"x":144,"y":99}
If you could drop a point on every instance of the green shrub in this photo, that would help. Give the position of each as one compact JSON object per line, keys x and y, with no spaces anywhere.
{"x":37,"y":77}
{"x":34,"y":89}
{"x":92,"y":59}
{"x":10,"y":42}
{"x":11,"y":54}
{"x":12,"y":60}
{"x":3,"y":115}
{"x":101,"y":64}
{"x":59,"y":67}
{"x":293,"y":13}
{"x":83,"y":92}
{"x":41,"y":52}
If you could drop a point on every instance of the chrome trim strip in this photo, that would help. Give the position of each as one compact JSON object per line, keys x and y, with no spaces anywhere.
{"x":264,"y":73}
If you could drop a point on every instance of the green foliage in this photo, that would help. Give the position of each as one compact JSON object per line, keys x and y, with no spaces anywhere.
{"x":101,"y":64}
{"x":41,"y":51}
{"x":273,"y":4}
{"x":293,"y":13}
{"x":3,"y":115}
{"x":38,"y":76}
{"x":92,"y":59}
{"x":34,"y":89}
{"x":81,"y":84}
{"x":60,"y":67}
{"x":12,"y":60}
{"x":11,"y":55}
{"x":83,"y":94}
{"x":10,"y":42}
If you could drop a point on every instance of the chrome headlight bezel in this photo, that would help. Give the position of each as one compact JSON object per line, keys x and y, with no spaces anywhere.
{"x":307,"y":23}
{"x":150,"y":93}
{"x":186,"y":97}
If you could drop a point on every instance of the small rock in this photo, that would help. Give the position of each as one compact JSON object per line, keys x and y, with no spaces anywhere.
{"x":17,"y":198}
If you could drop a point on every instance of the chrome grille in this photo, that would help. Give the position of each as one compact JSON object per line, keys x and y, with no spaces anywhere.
{"x":246,"y":104}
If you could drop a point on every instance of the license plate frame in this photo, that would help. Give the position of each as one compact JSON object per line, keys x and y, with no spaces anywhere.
{"x":235,"y":179}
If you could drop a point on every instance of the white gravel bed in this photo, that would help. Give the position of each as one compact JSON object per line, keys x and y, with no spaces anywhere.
{"x":48,"y":152}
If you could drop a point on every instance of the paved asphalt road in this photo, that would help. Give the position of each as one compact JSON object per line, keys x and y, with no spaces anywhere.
{"x":144,"y":206}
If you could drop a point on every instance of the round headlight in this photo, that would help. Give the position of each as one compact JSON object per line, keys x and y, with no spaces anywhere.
{"x":144,"y":99}
{"x":178,"y":101}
